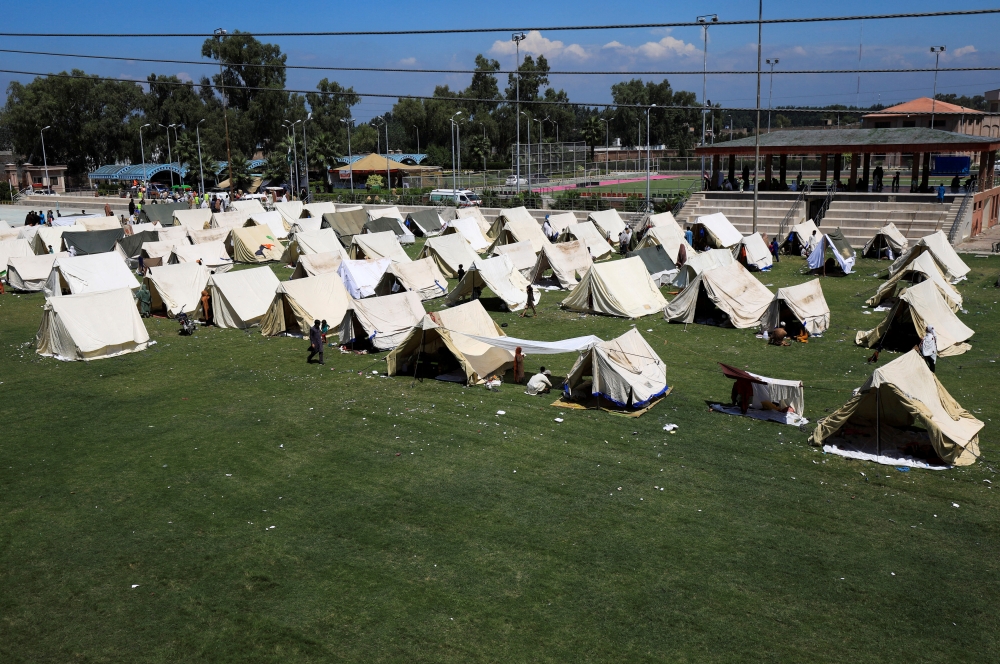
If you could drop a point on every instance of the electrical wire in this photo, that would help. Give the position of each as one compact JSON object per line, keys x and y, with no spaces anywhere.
{"x":551,"y":28}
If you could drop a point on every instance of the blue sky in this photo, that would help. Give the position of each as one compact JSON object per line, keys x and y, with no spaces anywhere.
{"x":904,"y":43}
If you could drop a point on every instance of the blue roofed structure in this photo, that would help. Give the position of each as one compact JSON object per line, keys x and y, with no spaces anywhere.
{"x":136,"y":171}
{"x":411,"y":158}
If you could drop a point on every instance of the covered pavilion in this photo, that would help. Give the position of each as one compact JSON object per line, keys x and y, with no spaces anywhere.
{"x":376,"y":164}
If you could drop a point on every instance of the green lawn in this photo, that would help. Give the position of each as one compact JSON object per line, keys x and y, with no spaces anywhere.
{"x":656,"y":187}
{"x":414,"y":523}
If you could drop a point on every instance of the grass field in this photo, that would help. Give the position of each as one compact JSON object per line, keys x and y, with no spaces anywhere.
{"x":217,"y":499}
{"x":656,"y":187}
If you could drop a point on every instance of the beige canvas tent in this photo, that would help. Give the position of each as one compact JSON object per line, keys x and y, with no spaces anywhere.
{"x":803,"y":305}
{"x":74,"y":275}
{"x":668,"y":236}
{"x":469,"y":229}
{"x":46,"y":237}
{"x":422,"y":277}
{"x":157,"y":253}
{"x":617,"y":288}
{"x":799,"y":237}
{"x":587,"y":233}
{"x":212,"y":255}
{"x":518,"y":230}
{"x":255,"y":244}
{"x":241,"y":298}
{"x":100,"y":223}
{"x":449,"y":252}
{"x":383,"y":322}
{"x":752,"y":253}
{"x":878,"y":423}
{"x":520,"y":254}
{"x":298,"y":303}
{"x":485,"y":227}
{"x":497,"y":274}
{"x":727,"y":295}
{"x":91,"y":326}
{"x":905,"y":324}
{"x":715,"y":231}
{"x":888,"y":241}
{"x":305,"y":243}
{"x":272,"y":220}
{"x":197,"y":219}
{"x":706,"y":260}
{"x":289,"y":211}
{"x":378,"y":245}
{"x":953,"y":267}
{"x":209,"y":235}
{"x":439,"y":347}
{"x":13,"y":249}
{"x":310,"y":265}
{"x":624,"y":372}
{"x":307,"y":225}
{"x":174,"y":234}
{"x":251,"y":206}
{"x":922,"y":268}
{"x":232,"y":219}
{"x":346,"y":224}
{"x":561,"y":221}
{"x":608,"y":222}
{"x":317,"y":210}
{"x":567,"y":262}
{"x":28,"y":274}
{"x":664,"y":219}
{"x":176,"y":288}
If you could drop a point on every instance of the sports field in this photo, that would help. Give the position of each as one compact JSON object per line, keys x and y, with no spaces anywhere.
{"x":216,"y":499}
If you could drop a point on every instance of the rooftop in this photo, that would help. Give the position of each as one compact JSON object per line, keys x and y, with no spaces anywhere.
{"x":820,"y":141}
{"x":924,"y":105}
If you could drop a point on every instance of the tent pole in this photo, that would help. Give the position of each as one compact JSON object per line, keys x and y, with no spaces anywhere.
{"x":417,"y":363}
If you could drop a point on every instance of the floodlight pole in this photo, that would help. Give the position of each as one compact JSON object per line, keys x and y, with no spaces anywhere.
{"x":454,"y":187}
{"x":305,"y":152}
{"x":201,"y":168}
{"x":937,"y":51}
{"x":142,"y":150}
{"x":529,"y":148}
{"x":770,"y":89}
{"x":170,"y":158}
{"x":703,"y":20}
{"x":649,"y":200}
{"x":350,"y":154}
{"x":291,"y":174}
{"x":517,"y":38}
{"x":45,"y":160}
{"x":219,"y":34}
{"x":418,"y":138}
{"x":756,"y":134}
{"x":607,"y":145}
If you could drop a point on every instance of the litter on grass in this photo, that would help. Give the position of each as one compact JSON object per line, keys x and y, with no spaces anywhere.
{"x":669,"y":427}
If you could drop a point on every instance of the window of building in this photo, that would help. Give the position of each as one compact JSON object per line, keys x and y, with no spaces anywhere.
{"x":939,"y":123}
{"x":883,"y":125}
{"x":909,"y":123}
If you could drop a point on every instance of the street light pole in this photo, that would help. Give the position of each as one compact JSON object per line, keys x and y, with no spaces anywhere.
{"x":418,"y":138}
{"x":649,"y":200}
{"x":607,"y":144}
{"x":937,"y":51}
{"x":291,"y":174}
{"x":517,"y":38}
{"x":305,"y":152}
{"x":295,"y":156}
{"x":350,"y":154}
{"x":145,"y":177}
{"x":539,"y":146}
{"x":219,"y":34}
{"x":454,"y":187}
{"x":770,"y":89}
{"x":388,"y":178}
{"x":756,"y":134}
{"x":201,"y":169}
{"x":703,"y":20}
{"x":529,"y":148}
{"x":45,"y":159}
{"x":170,"y":159}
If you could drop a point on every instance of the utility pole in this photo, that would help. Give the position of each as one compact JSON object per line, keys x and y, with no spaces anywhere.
{"x":201,"y":169}
{"x":937,"y":51}
{"x":756,"y":134}
{"x":350,"y":154}
{"x":45,"y":160}
{"x":454,"y":184}
{"x":418,"y":138}
{"x":219,"y":34}
{"x":770,"y":88}
{"x":529,"y":148}
{"x":649,"y":201}
{"x":704,"y":21}
{"x":170,"y":159}
{"x":607,"y":145}
{"x":145,"y":176}
{"x":517,"y":38}
{"x":305,"y":152}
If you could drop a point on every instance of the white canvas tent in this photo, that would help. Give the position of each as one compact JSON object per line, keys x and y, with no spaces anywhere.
{"x":469,"y":229}
{"x":46,"y":237}
{"x":758,"y":256}
{"x":272,"y":220}
{"x":587,"y":233}
{"x":877,"y":424}
{"x":838,"y":246}
{"x":174,"y":234}
{"x":251,"y":206}
{"x":421,"y":277}
{"x":477,"y":214}
{"x":382,"y":321}
{"x":298,"y":303}
{"x":905,"y":324}
{"x":197,"y":219}
{"x":176,"y":288}
{"x":520,"y":255}
{"x":29,"y":273}
{"x":624,"y":372}
{"x":378,"y":245}
{"x":804,"y":303}
{"x":305,"y":243}
{"x":91,"y":326}
{"x":232,"y":219}
{"x":317,"y":210}
{"x":518,"y":230}
{"x":731,"y":289}
{"x":154,"y":250}
{"x":290,"y":212}
{"x":310,"y":265}
{"x":799,"y":237}
{"x":719,"y":231}
{"x":13,"y":249}
{"x":361,"y":277}
{"x":391,"y":212}
{"x":212,"y":255}
{"x":887,"y":239}
{"x":449,"y":252}
{"x":74,"y":275}
{"x":307,"y":225}
{"x":922,"y":268}
{"x":608,"y":222}
{"x":617,"y":288}
{"x":952,"y":266}
{"x":497,"y":274}
{"x":567,"y":261}
{"x":698,"y":263}
{"x":561,"y":221}
{"x":668,"y":236}
{"x":209,"y":235}
{"x":101,"y":223}
{"x":241,"y":298}
{"x":664,"y":219}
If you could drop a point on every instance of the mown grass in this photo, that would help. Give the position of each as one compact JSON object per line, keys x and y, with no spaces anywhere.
{"x":412,"y":522}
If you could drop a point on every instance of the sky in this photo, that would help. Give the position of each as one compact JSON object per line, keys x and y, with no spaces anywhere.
{"x":898,"y":43}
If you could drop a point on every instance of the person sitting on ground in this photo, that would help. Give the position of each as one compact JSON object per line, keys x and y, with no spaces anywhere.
{"x":530,"y":304}
{"x":315,"y":343}
{"x":779,"y":335}
{"x":539,"y":383}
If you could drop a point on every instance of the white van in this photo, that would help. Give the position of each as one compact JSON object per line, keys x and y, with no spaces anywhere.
{"x":461,"y":197}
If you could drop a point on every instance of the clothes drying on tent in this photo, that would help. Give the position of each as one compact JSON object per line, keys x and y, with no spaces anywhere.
{"x":93,"y":242}
{"x":361,"y":277}
{"x":176,"y":288}
{"x":714,"y":231}
{"x":425,"y":223}
{"x":443,"y":346}
{"x":608,"y":222}
{"x":212,"y":255}
{"x":378,"y":245}
{"x":902,"y":416}
{"x":520,"y":254}
{"x":799,"y":306}
{"x":255,"y":244}
{"x":497,"y":274}
{"x":906,"y":323}
{"x":658,"y":263}
{"x":844,"y":255}
{"x":449,"y":252}
{"x":727,"y":295}
{"x":311,"y":265}
{"x":617,"y":288}
{"x":74,"y":275}
{"x":952,"y":266}
{"x":568,"y":262}
{"x":297,"y":304}
{"x":390,"y":225}
{"x":888,"y":242}
{"x":922,"y":268}
{"x":383,"y":322}
{"x":241,"y":298}
{"x":469,"y":229}
{"x":91,"y":326}
{"x":13,"y":249}
{"x":698,"y":263}
{"x":625,"y":373}
{"x":752,"y":253}
{"x":28,"y":274}
{"x":587,"y":233}
{"x":422,"y":277}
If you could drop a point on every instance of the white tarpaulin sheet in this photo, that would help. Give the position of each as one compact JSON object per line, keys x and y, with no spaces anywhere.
{"x":91,"y":326}
{"x":378,"y":245}
{"x":241,"y":298}
{"x":617,"y":288}
{"x":818,"y":256}
{"x":361,"y":277}
{"x":212,"y":255}
{"x":177,"y":286}
{"x":531,"y":347}
{"x":721,"y":232}
{"x":469,"y":229}
{"x":90,"y":274}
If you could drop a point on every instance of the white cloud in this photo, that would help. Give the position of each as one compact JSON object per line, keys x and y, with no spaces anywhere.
{"x":537,"y":44}
{"x":959,"y":52}
{"x":798,"y":50}
{"x":184,"y":76}
{"x":408,"y":61}
{"x":664,"y":48}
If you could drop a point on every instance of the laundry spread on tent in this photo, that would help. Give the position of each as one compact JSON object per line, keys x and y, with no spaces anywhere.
{"x":922,"y":268}
{"x":727,"y":295}
{"x":608,"y":222}
{"x":952,"y":266}
{"x":803,"y":305}
{"x":469,"y":229}
{"x":212,"y":255}
{"x":625,"y":373}
{"x":888,"y":242}
{"x":764,"y":398}
{"x":706,"y":260}
{"x":420,"y":276}
{"x":714,"y":231}
{"x":568,"y":262}
{"x":255,"y":244}
{"x":449,"y":252}
{"x":837,"y":244}
{"x":383,"y":322}
{"x":378,"y":245}
{"x":587,"y":233}
{"x":176,"y":288}
{"x":752,"y":253}
{"x":241,"y":298}
{"x":361,"y":277}
{"x":905,"y":324}
{"x":74,"y":275}
{"x":520,"y":254}
{"x":617,"y":288}
{"x":298,"y":303}
{"x":91,"y":326}
{"x":310,"y":265}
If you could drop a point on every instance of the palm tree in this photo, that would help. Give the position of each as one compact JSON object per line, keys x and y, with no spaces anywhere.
{"x":592,"y":133}
{"x":324,"y":150}
{"x":242,"y":178}
{"x":186,"y":153}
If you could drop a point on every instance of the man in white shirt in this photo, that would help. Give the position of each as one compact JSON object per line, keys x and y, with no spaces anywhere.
{"x":539,"y":383}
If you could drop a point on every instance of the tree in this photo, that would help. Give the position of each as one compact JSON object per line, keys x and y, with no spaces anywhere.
{"x":186,"y":152}
{"x":592,"y":133}
{"x":534,"y":77}
{"x":363,"y":139}
{"x":330,"y":105}
{"x":374,"y":181}
{"x":242,"y":177}
{"x":479,"y":149}
{"x":324,"y":151}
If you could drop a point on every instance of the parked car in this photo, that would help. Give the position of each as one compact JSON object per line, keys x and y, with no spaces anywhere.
{"x":512,"y":181}
{"x":461,"y":197}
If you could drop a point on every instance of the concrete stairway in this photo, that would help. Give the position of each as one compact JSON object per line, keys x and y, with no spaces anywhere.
{"x":770,"y":212}
{"x":860,"y":220}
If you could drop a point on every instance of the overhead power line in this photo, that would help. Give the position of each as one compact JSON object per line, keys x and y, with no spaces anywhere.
{"x":549,"y":28}
{"x":661,"y":72}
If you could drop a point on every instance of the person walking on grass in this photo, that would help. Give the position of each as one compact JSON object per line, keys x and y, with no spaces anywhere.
{"x":530,"y":304}
{"x":315,"y":343}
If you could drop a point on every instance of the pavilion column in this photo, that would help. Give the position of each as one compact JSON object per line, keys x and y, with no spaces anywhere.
{"x":732,"y":168}
{"x":768,"y":170}
{"x":837,"y":158}
{"x":852,"y":185}
{"x":867,"y":169}
{"x":992,"y":169}
{"x":716,"y":169}
{"x":783,"y":170}
{"x":926,"y":171}
{"x":822,"y":167}
{"x":915,"y":171}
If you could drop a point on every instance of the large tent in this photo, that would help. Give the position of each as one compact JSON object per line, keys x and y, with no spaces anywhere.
{"x":439,"y":346}
{"x":663,"y":219}
{"x":310,"y":265}
{"x":730,"y":290}
{"x":298,"y":303}
{"x":307,"y":225}
{"x":382,"y":321}
{"x":475,"y":213}
{"x":390,"y":225}
{"x":255,"y":244}
{"x":587,"y":233}
{"x":567,"y":261}
{"x":100,"y":223}
{"x":378,"y":245}
{"x":175,"y":234}
{"x":560,"y":221}
{"x":520,"y":230}
{"x":799,"y":237}
{"x":212,"y":255}
{"x":317,"y":210}
{"x":658,"y":263}
{"x":93,"y":242}
{"x":73,"y":275}
{"x":272,"y":220}
{"x":469,"y":229}
{"x":922,"y":268}
{"x":449,"y":252}
{"x":13,"y":249}
{"x":426,"y":223}
{"x":706,"y":260}
{"x":157,"y":253}
{"x":162,"y":213}
{"x":608,"y":222}
{"x":625,"y":372}
{"x":209,"y":235}
{"x":130,"y":246}
{"x":421,"y":276}
{"x":888,"y":241}
{"x":176,"y":288}
{"x":241,"y":298}
{"x":346,"y":224}
{"x":361,"y":277}
{"x":668,"y":236}
{"x":376,"y":164}
{"x":617,"y":288}
{"x":250,"y":205}
{"x":47,"y":238}
{"x":29,"y":273}
{"x":497,"y":274}
{"x":91,"y":326}
{"x":904,"y":325}
{"x":715,"y":231}
{"x":803,"y":304}
{"x":290,"y":212}
{"x":752,"y":252}
{"x":520,"y":255}
{"x":878,"y":422}
{"x":196,"y":219}
{"x":230,"y":219}
{"x":953,"y":267}
{"x":304,"y":243}
{"x":834,"y":241}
